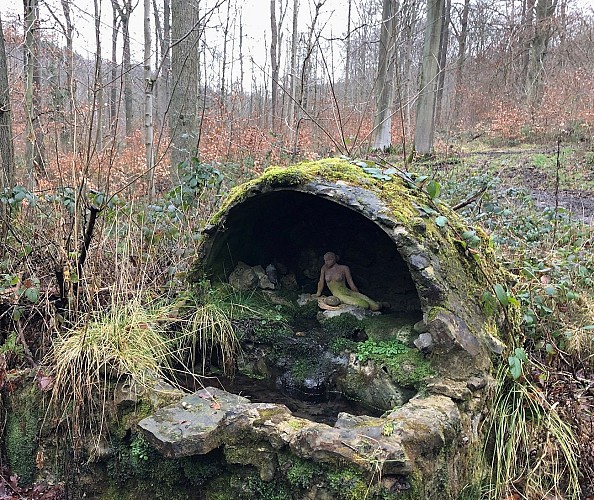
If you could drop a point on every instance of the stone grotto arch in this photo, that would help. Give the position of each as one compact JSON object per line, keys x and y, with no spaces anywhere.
{"x":404,"y":249}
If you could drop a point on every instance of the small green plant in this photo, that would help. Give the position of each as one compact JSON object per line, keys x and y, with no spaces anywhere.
{"x":139,"y":449}
{"x":301,"y":473}
{"x":12,"y":347}
{"x":380,"y":351}
{"x":516,"y":362}
{"x":405,"y":365}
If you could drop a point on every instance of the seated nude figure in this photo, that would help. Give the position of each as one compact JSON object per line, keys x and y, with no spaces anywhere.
{"x":336,"y":276}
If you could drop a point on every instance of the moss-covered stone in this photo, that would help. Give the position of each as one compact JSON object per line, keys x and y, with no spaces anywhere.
{"x":24,"y":413}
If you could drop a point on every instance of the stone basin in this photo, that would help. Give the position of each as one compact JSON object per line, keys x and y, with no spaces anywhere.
{"x":212,"y":418}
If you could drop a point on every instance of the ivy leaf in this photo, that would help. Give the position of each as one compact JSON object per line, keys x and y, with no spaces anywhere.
{"x":489,"y":303}
{"x":515,"y":367}
{"x":441,"y":221}
{"x":32,"y":294}
{"x":433,"y":189}
{"x":501,"y":295}
{"x":520,"y":354}
{"x":16,"y":314}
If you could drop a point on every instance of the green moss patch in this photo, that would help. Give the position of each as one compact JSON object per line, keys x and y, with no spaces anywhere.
{"x":406,"y":366}
{"x":24,"y":414}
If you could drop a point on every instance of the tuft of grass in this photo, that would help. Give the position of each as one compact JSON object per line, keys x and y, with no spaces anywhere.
{"x":126,"y":342}
{"x":534,"y":451}
{"x":208,"y":330}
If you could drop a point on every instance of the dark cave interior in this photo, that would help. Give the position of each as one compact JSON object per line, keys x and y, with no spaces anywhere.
{"x":297,"y":229}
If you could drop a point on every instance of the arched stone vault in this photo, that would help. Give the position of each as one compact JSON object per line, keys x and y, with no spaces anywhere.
{"x":386,"y":231}
{"x":291,"y":225}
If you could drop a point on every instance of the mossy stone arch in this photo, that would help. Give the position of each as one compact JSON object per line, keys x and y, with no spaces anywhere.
{"x":385,"y":231}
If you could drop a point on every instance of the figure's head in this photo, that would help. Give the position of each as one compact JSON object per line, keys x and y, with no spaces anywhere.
{"x":330,"y":258}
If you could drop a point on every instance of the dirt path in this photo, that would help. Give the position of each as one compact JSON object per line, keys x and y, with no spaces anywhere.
{"x":579,"y":203}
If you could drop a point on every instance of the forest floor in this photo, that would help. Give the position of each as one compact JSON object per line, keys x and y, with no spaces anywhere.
{"x":569,"y":185}
{"x":547,"y":228}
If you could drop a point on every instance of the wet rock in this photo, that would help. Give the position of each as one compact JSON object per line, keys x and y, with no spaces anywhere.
{"x":305,"y":298}
{"x":243,"y":277}
{"x":126,"y":394}
{"x":289,"y":282}
{"x":180,"y":430}
{"x":260,"y":456}
{"x":476,"y":383}
{"x":264,"y":281}
{"x":424,"y":342}
{"x":370,"y":385}
{"x":458,"y":391}
{"x":390,"y":327}
{"x":420,"y":327}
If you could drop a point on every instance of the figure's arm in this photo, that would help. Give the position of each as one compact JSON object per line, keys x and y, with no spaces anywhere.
{"x":321,"y":281}
{"x":349,"y":279}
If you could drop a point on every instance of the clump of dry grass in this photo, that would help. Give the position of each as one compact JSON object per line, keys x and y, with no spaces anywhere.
{"x":534,"y":449}
{"x":208,"y":331}
{"x":85,"y":362}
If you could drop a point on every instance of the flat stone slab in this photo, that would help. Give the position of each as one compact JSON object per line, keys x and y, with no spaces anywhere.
{"x":188,"y":427}
{"x":210,"y":418}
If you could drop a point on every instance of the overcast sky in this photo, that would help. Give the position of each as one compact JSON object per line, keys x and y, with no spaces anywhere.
{"x":255,"y":18}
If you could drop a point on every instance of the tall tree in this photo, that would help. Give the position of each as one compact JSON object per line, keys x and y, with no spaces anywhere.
{"x":275,"y":53}
{"x":6,"y":146}
{"x":425,"y":112}
{"x":184,"y":119}
{"x":443,"y":52}
{"x":347,"y":63}
{"x":543,"y":30}
{"x":98,"y":83}
{"x":114,"y":90}
{"x":293,"y":76}
{"x":149,"y":83}
{"x":125,"y":10}
{"x":34,"y":150}
{"x":382,"y":122}
{"x":462,"y":37}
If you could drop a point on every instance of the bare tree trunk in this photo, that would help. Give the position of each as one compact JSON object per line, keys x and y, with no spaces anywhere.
{"x":241,"y":72}
{"x":66,"y":135}
{"x":273,"y":63}
{"x":409,"y":18}
{"x":545,"y":9}
{"x":225,"y":44}
{"x":462,"y":40}
{"x":34,"y":151}
{"x":113,"y":96}
{"x":443,"y":52}
{"x":528,"y":34}
{"x":293,"y":69}
{"x":128,"y":96}
{"x":165,"y":74}
{"x":425,"y":115}
{"x":149,"y":83}
{"x":381,"y":136}
{"x":125,"y":11}
{"x":184,"y":119}
{"x":6,"y":145}
{"x":347,"y":64}
{"x":98,"y":83}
